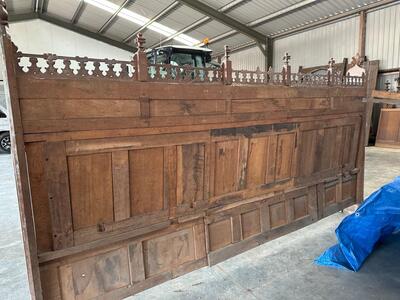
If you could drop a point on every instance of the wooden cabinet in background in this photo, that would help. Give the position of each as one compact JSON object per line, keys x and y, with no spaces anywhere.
{"x":389,"y":128}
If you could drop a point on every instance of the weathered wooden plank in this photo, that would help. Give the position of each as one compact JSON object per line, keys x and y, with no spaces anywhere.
{"x":140,"y":131}
{"x":170,"y":179}
{"x":160,"y":108}
{"x":60,"y":109}
{"x":270,"y":170}
{"x":58,"y":194}
{"x":30,"y":88}
{"x":40,"y":202}
{"x":120,"y":180}
{"x":12,"y":96}
{"x":135,"y":142}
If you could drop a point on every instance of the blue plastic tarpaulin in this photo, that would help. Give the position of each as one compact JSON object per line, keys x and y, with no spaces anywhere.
{"x":377,"y":218}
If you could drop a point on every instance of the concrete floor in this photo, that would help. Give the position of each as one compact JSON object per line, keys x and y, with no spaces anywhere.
{"x":280,"y":269}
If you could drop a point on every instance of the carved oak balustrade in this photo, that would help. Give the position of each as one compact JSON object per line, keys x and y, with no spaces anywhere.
{"x":51,"y":65}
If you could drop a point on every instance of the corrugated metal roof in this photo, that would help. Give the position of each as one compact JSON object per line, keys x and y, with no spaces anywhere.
{"x":216,"y":4}
{"x":259,"y":8}
{"x":93,"y":18}
{"x":181,"y":17}
{"x":245,"y":11}
{"x":309,"y":14}
{"x":149,"y":8}
{"x":62,"y":9}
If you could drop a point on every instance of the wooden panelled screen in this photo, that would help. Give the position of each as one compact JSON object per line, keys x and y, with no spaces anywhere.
{"x":131,"y":174}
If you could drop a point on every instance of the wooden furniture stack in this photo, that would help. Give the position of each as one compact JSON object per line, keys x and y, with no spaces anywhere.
{"x":389,"y":121}
{"x":134,"y":177}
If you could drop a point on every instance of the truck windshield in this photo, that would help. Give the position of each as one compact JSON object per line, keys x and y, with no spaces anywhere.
{"x":191,"y":59}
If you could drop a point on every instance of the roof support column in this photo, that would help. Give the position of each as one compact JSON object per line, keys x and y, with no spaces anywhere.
{"x":362,"y":34}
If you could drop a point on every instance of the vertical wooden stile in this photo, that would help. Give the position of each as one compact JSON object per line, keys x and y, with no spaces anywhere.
{"x":9,"y":59}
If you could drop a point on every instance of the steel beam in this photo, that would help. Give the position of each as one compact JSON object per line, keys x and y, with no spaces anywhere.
{"x":162,"y":14}
{"x":267,"y":18}
{"x":114,"y":16}
{"x":202,"y":21}
{"x":78,"y":12}
{"x":225,"y":19}
{"x":236,"y":48}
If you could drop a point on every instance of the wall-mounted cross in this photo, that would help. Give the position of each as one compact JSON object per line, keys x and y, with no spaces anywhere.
{"x":286,"y":59}
{"x":227,"y":51}
{"x":331,"y":63}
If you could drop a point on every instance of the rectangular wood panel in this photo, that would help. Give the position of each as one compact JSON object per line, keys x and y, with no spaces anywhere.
{"x":251,"y":223}
{"x":190,"y":173}
{"x":226,"y":166}
{"x":388,"y":134}
{"x":220,"y":234}
{"x":278,"y":214}
{"x":257,"y":161}
{"x":98,"y":275}
{"x":285,"y":151}
{"x":91,"y":189}
{"x":146,"y":180}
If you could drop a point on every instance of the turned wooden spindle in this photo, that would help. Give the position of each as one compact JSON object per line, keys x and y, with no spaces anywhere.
{"x":227,"y":66}
{"x":286,"y":70}
{"x":141,"y":59}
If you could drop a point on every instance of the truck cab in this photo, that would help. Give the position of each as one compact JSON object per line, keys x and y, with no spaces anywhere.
{"x":5,"y":141}
{"x":176,"y":55}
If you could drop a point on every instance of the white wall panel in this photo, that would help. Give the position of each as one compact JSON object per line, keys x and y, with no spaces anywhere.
{"x":315,"y":47}
{"x":248,"y":59}
{"x":383,"y":36}
{"x":38,"y":36}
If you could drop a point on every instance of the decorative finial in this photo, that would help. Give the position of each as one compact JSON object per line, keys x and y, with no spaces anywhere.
{"x":227,"y":51}
{"x":286,"y":59}
{"x":387,"y":86}
{"x":3,"y":13}
{"x":140,"y":41}
{"x":331,"y":62}
{"x":356,"y":60}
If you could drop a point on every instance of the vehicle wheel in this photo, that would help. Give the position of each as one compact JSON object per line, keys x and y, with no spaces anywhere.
{"x":5,"y":142}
